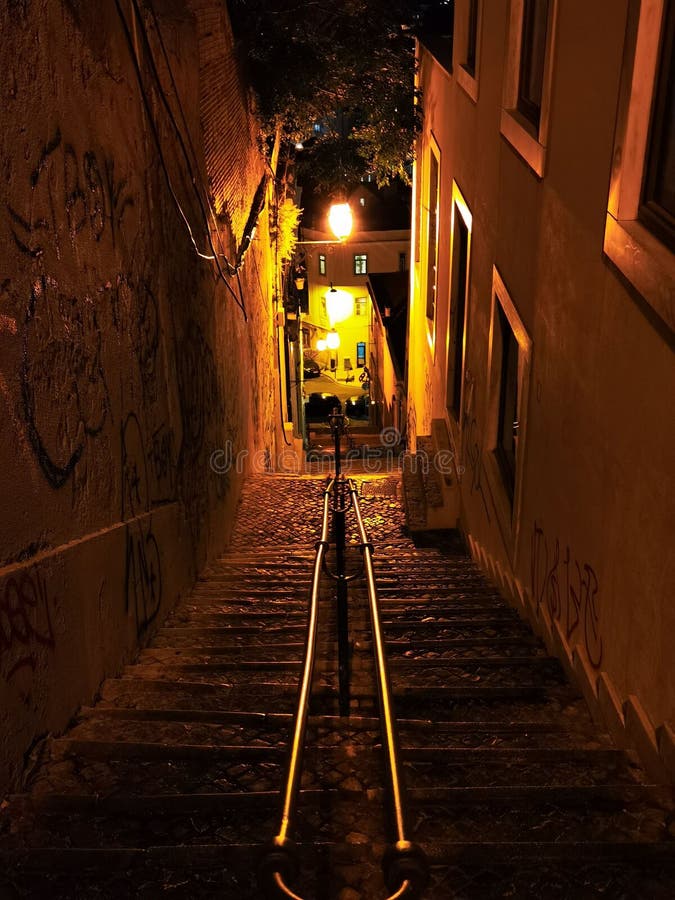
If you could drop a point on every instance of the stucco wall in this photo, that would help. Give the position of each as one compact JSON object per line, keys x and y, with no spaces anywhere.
{"x":124,"y":361}
{"x":590,"y":556}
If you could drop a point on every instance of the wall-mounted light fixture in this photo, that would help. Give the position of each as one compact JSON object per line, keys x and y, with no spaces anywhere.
{"x":339,"y":305}
{"x":332,"y":339}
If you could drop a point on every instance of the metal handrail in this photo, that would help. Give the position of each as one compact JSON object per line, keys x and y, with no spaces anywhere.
{"x":405,"y":865}
{"x":280,"y":864}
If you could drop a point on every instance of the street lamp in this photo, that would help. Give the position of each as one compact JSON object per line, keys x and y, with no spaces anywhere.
{"x":340,"y":220}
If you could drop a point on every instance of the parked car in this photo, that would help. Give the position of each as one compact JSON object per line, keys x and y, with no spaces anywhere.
{"x":310,"y":368}
{"x":320,"y":406}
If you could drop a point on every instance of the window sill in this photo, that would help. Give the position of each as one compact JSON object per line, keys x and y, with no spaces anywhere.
{"x":516,"y":131}
{"x":467,"y":82}
{"x":647,"y":264}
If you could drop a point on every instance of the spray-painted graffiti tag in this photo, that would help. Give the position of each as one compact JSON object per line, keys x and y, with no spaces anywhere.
{"x":570,"y":591}
{"x":25,"y":622}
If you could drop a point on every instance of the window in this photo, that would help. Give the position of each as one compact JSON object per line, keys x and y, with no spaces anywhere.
{"x":507,"y":414}
{"x":459,"y":295}
{"x":432,"y":235}
{"x":360,"y":263}
{"x":509,"y":360}
{"x":322,"y":263}
{"x":527,"y":79}
{"x":657,"y":210}
{"x":468,"y":42}
{"x":532,"y":56}
{"x":402,"y":267}
{"x":471,"y":38}
{"x":361,"y":353}
{"x":361,"y":307}
{"x":640,"y":223}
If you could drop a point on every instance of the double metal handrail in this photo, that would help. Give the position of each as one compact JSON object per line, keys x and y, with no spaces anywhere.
{"x":405,"y":865}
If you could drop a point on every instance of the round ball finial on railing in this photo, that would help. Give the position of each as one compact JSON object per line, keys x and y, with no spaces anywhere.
{"x":281,"y":856}
{"x":406,"y":861}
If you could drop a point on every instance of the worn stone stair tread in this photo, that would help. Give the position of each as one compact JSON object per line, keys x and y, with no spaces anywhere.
{"x":438,"y":853}
{"x":216,"y":717}
{"x":452,"y":797}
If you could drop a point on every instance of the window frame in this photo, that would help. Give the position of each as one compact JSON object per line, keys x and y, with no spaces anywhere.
{"x":507,"y":504}
{"x":655,"y":217}
{"x":527,"y":139}
{"x":434,"y":154}
{"x":460,"y":209}
{"x":525,"y":105}
{"x":637,"y":253}
{"x":468,"y":75}
{"x":360,"y":264}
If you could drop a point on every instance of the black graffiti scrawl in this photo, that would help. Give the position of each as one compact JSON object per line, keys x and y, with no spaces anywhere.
{"x":72,"y":206}
{"x":142,"y":557}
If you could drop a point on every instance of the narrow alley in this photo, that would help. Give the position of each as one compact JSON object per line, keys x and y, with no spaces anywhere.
{"x":168,"y":786}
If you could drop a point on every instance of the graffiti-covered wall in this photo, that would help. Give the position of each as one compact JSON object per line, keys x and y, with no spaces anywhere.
{"x":127,"y":355}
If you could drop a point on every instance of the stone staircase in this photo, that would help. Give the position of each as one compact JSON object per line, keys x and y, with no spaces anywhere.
{"x":168,"y":786}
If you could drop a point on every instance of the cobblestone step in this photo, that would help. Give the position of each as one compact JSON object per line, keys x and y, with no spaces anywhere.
{"x":465,"y":871}
{"x":169,"y":785}
{"x":542,"y":813}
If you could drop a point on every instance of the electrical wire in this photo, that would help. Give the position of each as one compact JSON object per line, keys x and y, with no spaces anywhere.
{"x":195,"y":161}
{"x":158,"y":142}
{"x":146,"y":41}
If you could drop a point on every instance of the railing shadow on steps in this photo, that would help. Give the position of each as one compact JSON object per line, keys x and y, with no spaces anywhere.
{"x":404,"y":863}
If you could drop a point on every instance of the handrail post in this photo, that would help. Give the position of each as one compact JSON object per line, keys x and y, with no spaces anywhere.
{"x":337,"y":426}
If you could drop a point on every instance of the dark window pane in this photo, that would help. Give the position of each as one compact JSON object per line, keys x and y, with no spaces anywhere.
{"x":472,"y":38}
{"x":458,"y":294}
{"x":658,"y":196}
{"x":508,"y":403}
{"x":532,"y":58}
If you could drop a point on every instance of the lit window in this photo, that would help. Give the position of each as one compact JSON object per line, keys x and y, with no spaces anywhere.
{"x":657,"y":210}
{"x":322,"y":263}
{"x":459,"y":298}
{"x":432,"y":235}
{"x":360,"y":263}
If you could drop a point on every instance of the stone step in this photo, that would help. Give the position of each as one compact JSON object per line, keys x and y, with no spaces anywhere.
{"x":467,"y":871}
{"x":108,"y":768}
{"x":175,"y":726}
{"x":497,"y":814}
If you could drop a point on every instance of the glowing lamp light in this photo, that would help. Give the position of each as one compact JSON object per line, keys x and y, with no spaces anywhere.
{"x":340,"y":220}
{"x":332,"y":339}
{"x":339,"y":305}
{"x":321,"y":345}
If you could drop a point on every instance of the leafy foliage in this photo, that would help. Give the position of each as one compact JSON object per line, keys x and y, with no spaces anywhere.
{"x":346,"y":67}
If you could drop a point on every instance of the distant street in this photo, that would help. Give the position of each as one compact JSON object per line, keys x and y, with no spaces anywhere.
{"x":326,"y":384}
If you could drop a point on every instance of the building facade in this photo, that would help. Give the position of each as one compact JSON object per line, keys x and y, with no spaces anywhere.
{"x":542,"y":309}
